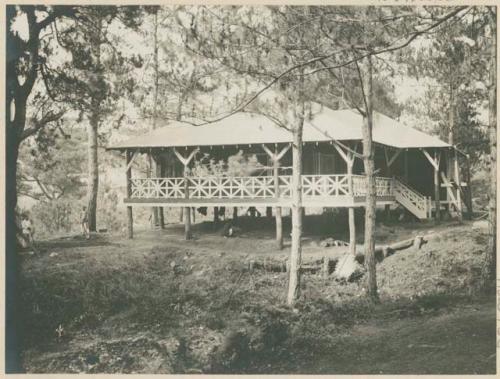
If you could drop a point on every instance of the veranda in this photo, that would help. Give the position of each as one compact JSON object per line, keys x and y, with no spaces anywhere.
{"x":415,"y":170}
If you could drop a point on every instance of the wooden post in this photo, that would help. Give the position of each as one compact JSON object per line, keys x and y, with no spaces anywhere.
{"x":160,"y":172}
{"x":389,"y":162}
{"x":437,"y":188}
{"x":349,"y":160}
{"x":269,"y":212}
{"x":187,"y":211}
{"x":459,"y":184}
{"x":276,"y":157}
{"x":235,"y":213}
{"x":468,"y":191}
{"x":279,"y":221}
{"x":405,"y":168}
{"x":216,"y":216}
{"x":326,"y":267}
{"x":130,"y":219}
{"x":152,"y":173}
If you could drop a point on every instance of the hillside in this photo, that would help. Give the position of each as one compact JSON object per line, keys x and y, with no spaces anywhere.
{"x":159,"y":304}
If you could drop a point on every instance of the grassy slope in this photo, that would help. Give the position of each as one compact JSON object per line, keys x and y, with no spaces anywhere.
{"x":160,"y":304}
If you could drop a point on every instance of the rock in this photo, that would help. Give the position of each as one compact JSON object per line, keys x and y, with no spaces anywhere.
{"x":480,"y":224}
{"x":346,"y":267}
{"x":332,"y":242}
{"x":53,"y":255}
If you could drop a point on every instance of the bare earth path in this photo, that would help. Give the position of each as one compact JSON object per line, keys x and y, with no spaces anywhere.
{"x":457,"y":342}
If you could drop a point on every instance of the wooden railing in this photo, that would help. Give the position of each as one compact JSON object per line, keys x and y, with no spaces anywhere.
{"x":384,"y":186}
{"x":412,"y":200}
{"x":254,"y":187}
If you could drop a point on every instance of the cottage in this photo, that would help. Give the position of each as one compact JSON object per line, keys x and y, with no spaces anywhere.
{"x":414,"y":169}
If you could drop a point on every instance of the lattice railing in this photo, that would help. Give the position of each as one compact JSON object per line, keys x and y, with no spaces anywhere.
{"x":384,"y":186}
{"x":172,"y":188}
{"x":325,"y":185}
{"x":253,"y":187}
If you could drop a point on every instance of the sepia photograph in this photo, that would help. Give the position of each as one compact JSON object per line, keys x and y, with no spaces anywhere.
{"x":250,"y":189}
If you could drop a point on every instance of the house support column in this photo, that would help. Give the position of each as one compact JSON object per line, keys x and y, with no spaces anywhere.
{"x":152,"y":172}
{"x":275,"y":158}
{"x":468,"y":190}
{"x":130,"y":220}
{"x":458,"y":183}
{"x":187,"y":212}
{"x":388,"y":163}
{"x":348,"y":157}
{"x":405,"y":166}
{"x":216,"y":217}
{"x":161,"y":173}
{"x":435,"y":164}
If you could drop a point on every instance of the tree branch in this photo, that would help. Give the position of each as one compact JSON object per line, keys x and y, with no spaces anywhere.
{"x":390,"y":48}
{"x":39,"y":124}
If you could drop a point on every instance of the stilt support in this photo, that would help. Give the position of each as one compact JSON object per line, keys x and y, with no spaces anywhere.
{"x":275,"y":157}
{"x":130,"y":220}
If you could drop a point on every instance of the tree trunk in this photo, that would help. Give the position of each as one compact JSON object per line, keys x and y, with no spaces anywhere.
{"x":489,"y":266}
{"x":352,"y":224}
{"x":153,"y":165}
{"x":93,"y":178}
{"x":296,"y":249}
{"x":16,"y":94}
{"x":13,"y":331}
{"x":93,"y":129}
{"x":16,"y":123}
{"x":451,"y":115}
{"x":368,"y":158}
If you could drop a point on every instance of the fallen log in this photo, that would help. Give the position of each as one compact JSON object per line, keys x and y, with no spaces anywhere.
{"x":382,"y":252}
{"x":327,"y":265}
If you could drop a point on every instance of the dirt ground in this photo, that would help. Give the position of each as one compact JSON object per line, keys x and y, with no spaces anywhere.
{"x":159,"y":304}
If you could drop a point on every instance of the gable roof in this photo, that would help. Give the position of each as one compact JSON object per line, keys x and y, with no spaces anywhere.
{"x":249,"y":128}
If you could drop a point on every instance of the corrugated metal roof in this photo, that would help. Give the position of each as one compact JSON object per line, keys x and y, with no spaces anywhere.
{"x":247,"y":128}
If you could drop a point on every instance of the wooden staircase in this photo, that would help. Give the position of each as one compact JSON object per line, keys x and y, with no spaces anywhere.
{"x":415,"y":202}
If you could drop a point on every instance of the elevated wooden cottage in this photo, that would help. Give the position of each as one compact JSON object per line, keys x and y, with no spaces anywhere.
{"x":414,"y":169}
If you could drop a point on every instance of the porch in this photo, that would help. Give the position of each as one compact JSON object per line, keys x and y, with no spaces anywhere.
{"x":339,"y":190}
